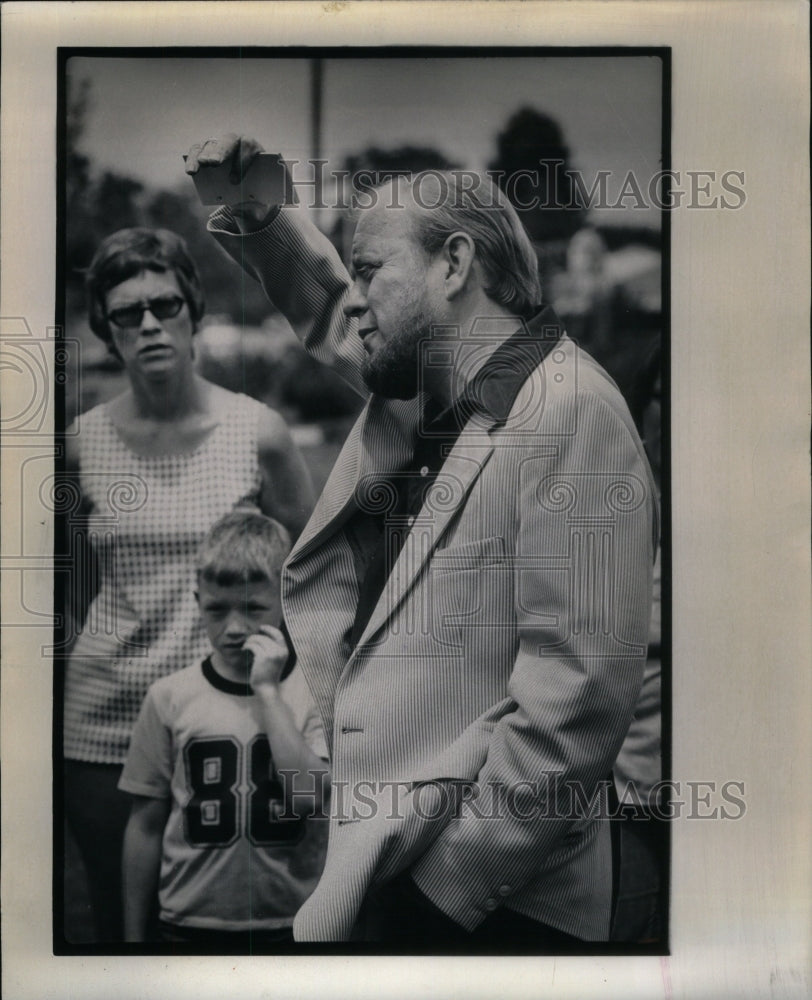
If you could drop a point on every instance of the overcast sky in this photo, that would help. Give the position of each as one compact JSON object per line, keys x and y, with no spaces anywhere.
{"x":145,"y":112}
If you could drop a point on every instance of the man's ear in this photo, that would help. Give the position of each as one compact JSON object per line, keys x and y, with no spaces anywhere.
{"x":459,"y":251}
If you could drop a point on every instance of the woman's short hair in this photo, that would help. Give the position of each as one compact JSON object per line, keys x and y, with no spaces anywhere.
{"x":128,"y":252}
{"x":446,"y":202}
{"x":243,"y":547}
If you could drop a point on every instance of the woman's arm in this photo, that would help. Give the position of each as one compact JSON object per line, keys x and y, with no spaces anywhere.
{"x":287,"y":492}
{"x":143,"y":839}
{"x":82,"y":582}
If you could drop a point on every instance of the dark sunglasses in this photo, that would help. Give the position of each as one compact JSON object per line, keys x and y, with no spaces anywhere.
{"x":130,"y":317}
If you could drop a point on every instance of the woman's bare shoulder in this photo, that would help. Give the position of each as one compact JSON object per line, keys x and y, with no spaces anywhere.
{"x":272,"y":429}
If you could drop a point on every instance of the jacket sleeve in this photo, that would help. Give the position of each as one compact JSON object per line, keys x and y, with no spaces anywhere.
{"x":583,"y":563}
{"x":302,"y":275}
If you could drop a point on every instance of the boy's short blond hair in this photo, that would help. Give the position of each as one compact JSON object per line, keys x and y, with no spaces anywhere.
{"x":243,"y":547}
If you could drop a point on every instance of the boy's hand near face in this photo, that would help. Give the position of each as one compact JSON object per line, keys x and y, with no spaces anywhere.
{"x":290,"y":751}
{"x":270,"y":654}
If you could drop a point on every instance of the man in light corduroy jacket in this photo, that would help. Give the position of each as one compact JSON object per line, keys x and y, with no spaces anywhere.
{"x":470,"y":600}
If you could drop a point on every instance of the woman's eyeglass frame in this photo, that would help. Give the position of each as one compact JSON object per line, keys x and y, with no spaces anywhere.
{"x":131,"y":317}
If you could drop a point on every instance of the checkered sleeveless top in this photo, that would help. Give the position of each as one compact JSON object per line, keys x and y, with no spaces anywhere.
{"x":149,"y":515}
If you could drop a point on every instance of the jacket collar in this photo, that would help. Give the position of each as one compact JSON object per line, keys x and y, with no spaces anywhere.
{"x":496,"y":377}
{"x":383,"y":438}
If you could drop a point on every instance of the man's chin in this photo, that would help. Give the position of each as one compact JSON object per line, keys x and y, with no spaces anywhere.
{"x":390,"y":384}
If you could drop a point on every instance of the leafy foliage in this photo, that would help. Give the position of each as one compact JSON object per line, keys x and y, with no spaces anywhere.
{"x":532,"y":161}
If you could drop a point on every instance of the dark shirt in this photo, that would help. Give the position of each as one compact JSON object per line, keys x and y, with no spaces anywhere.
{"x":377,"y":538}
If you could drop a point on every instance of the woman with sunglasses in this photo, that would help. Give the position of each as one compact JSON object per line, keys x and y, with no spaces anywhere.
{"x":155,"y":468}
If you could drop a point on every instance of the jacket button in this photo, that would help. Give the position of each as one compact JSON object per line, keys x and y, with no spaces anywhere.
{"x":490,"y":904}
{"x":504,"y":890}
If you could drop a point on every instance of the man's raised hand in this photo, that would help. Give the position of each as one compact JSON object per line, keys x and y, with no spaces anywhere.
{"x":239,"y":151}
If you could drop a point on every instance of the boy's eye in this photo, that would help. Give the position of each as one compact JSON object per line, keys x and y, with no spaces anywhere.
{"x":214,"y":609}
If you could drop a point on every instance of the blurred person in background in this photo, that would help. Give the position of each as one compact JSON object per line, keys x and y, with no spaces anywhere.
{"x":585,"y":295}
{"x":155,"y":468}
{"x":599,"y":317}
{"x":640,"y":835}
{"x":610,"y":302}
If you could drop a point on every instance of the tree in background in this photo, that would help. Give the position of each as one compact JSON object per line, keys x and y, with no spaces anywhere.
{"x":371,"y":167}
{"x":100,"y":202}
{"x":401,"y":159}
{"x":531,"y":166}
{"x":95,"y":204}
{"x":267,"y":364}
{"x":77,"y":164}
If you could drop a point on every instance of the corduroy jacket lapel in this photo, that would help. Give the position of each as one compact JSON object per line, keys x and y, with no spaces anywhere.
{"x":381,"y":441}
{"x":445,"y":499}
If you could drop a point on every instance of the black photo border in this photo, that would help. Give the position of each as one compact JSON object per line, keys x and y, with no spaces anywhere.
{"x":63,"y":54}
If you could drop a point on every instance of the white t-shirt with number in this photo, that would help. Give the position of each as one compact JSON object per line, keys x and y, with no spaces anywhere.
{"x":231,"y":858}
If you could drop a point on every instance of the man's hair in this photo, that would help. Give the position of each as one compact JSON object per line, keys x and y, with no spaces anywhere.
{"x":128,"y":252}
{"x":243,"y":547}
{"x":503,"y":248}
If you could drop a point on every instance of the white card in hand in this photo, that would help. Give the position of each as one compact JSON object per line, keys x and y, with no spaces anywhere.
{"x":267,"y":182}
